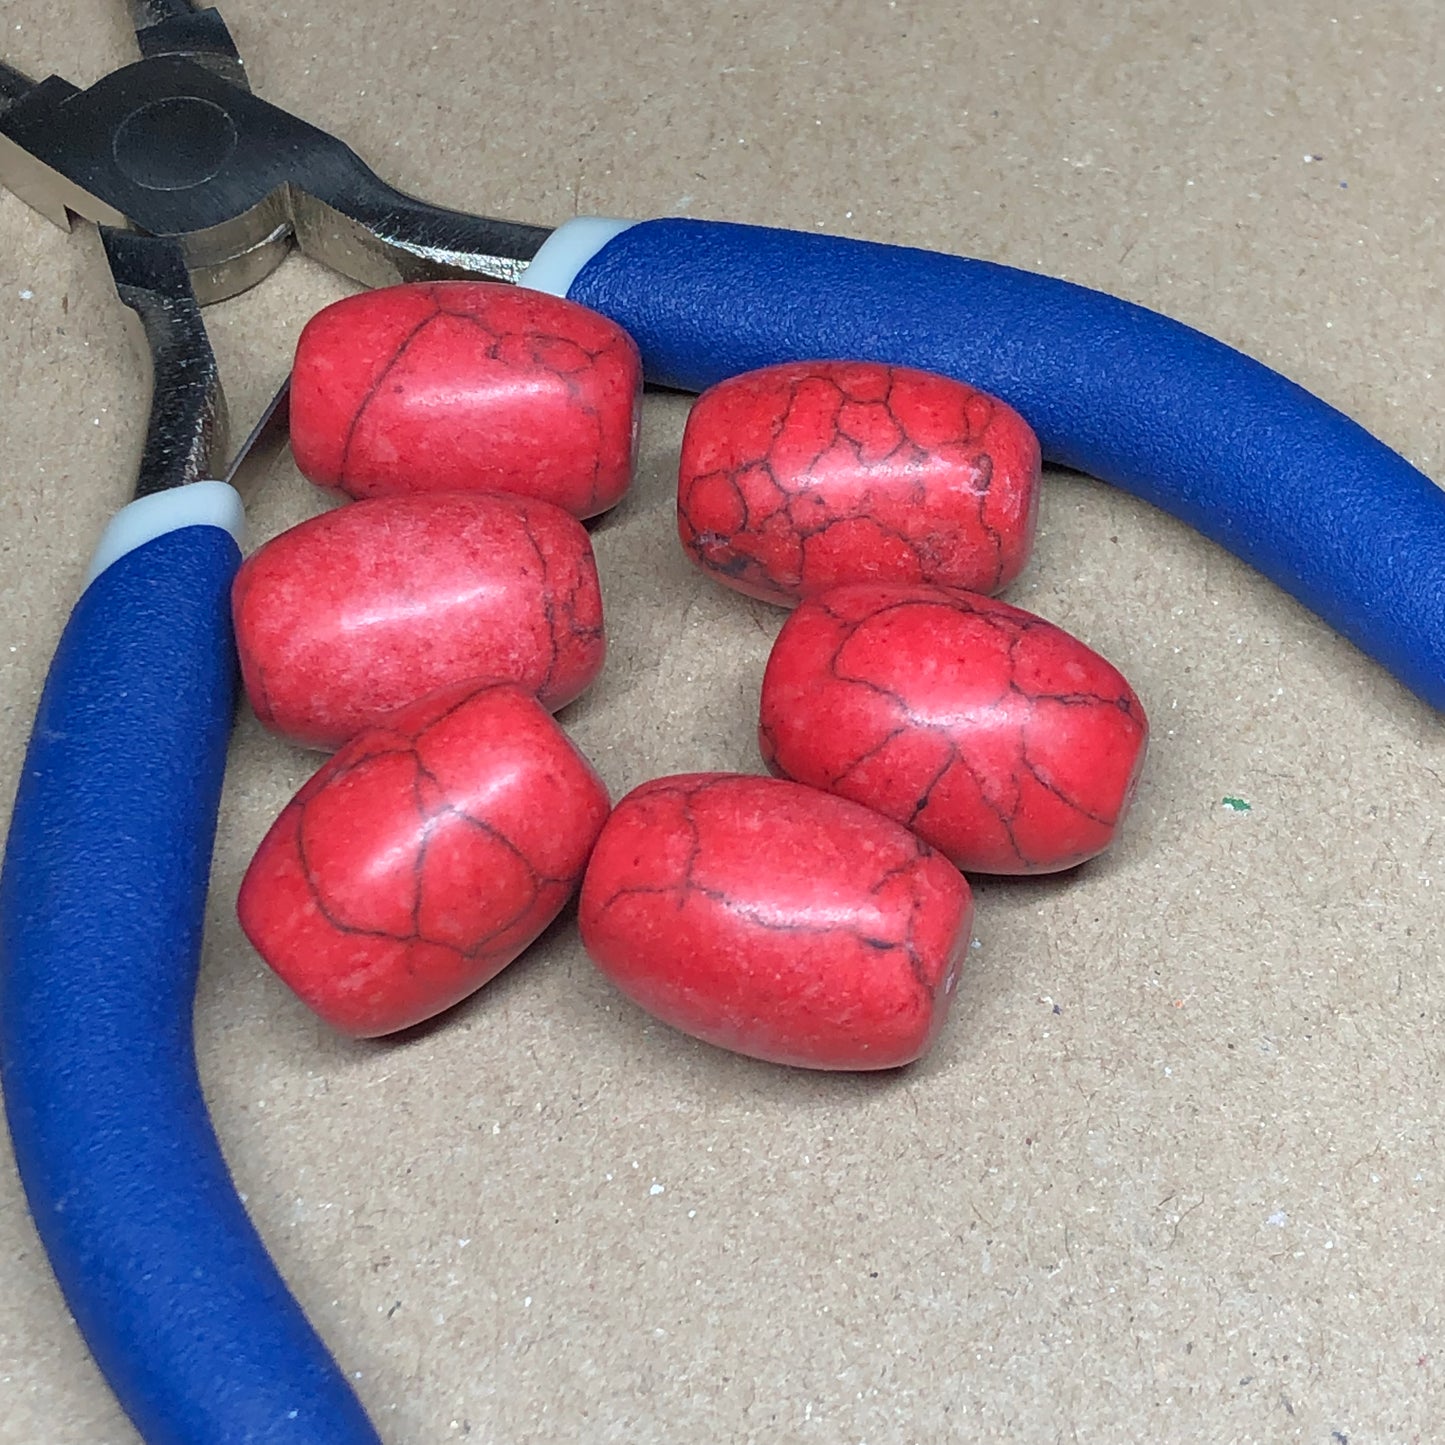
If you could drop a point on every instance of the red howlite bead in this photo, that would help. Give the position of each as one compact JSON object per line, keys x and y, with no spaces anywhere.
{"x":994,"y":735}
{"x":423,"y":858}
{"x":367,"y":607}
{"x":467,"y":386}
{"x":776,"y":921}
{"x":800,"y":477}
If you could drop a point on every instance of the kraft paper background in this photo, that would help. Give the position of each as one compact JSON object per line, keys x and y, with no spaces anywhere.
{"x":1174,"y":1171}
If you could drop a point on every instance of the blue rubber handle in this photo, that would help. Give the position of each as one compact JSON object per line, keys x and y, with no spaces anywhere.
{"x":1248,"y":458}
{"x":102,"y":900}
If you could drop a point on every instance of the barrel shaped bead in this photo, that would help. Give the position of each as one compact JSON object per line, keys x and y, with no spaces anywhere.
{"x":776,"y":921}
{"x":996,"y":736}
{"x":467,"y":386}
{"x":803,"y":476}
{"x":365,"y":608}
{"x":422,"y":858}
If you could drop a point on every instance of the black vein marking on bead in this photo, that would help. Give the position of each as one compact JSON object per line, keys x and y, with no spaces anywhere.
{"x":430,"y":819}
{"x":450,"y":809}
{"x":549,"y":607}
{"x":559,"y":609}
{"x":364,"y":405}
{"x":1002,"y":809}
{"x":680,"y":888}
{"x":687,"y":887}
{"x":925,"y":797}
{"x":1066,"y":700}
{"x":451,"y":815}
{"x":729,"y":480}
{"x":1004,"y":806}
{"x":340,"y":768}
{"x":351,"y":930}
{"x":584,"y":579}
{"x":795,"y":391}
{"x":908,"y":872}
{"x":725,"y":553}
{"x":870,"y":753}
{"x":694,"y":847}
{"x":449,"y":711}
{"x":533,"y":339}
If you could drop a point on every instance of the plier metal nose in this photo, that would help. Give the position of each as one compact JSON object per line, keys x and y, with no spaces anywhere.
{"x":176,"y":145}
{"x":201,"y":188}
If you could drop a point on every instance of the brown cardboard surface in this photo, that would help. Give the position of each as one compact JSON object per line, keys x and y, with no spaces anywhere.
{"x":1174,"y":1170}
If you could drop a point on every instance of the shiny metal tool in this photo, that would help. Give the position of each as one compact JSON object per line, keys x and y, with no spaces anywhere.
{"x":177,"y":145}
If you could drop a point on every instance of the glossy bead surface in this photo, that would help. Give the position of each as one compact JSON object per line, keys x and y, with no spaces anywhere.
{"x":776,"y":921}
{"x":363,"y":609}
{"x":423,"y":858}
{"x":800,"y":477}
{"x":467,"y":386}
{"x":996,"y":736}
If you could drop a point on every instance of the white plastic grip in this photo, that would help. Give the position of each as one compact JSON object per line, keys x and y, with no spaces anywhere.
{"x":567,"y":250}
{"x":197,"y":504}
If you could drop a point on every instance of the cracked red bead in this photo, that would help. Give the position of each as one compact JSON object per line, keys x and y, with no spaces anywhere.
{"x":776,"y":921}
{"x":996,"y":736}
{"x":367,"y":607}
{"x":423,"y":858}
{"x":467,"y":386}
{"x":800,"y":477}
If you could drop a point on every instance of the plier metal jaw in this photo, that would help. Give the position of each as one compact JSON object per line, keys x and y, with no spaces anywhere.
{"x":176,"y":148}
{"x":176,"y":145}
